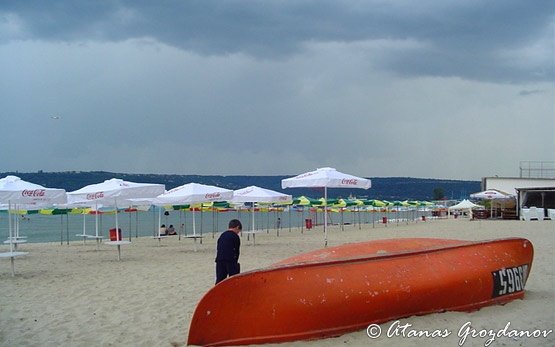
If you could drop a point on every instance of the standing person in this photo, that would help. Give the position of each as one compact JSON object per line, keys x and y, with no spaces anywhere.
{"x":227,"y":256}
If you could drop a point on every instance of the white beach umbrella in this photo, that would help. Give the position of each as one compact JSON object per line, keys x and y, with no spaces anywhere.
{"x":326,"y":178}
{"x":256,"y":194}
{"x":193,"y":193}
{"x":116,"y":193}
{"x":16,"y":192}
{"x":491,"y":194}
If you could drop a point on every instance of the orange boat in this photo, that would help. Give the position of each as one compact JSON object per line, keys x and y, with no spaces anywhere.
{"x":340,"y":289}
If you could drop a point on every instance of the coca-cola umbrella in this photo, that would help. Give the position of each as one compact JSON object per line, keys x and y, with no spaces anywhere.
{"x":492,"y":194}
{"x":326,"y":177}
{"x":193,"y":193}
{"x":17,"y":193}
{"x":255,"y":194}
{"x":114,"y":193}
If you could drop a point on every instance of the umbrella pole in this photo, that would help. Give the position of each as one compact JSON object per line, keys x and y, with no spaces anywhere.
{"x":84,"y":229}
{"x":180,"y":225}
{"x":278,"y":225}
{"x":96,"y":219}
{"x":213,"y":220}
{"x":67,"y":227}
{"x":117,"y":225}
{"x":10,"y":231}
{"x":290,"y":218}
{"x":96,"y":225}
{"x":159,"y":224}
{"x":253,"y":234}
{"x":252,"y":218}
{"x":129,"y":224}
{"x":194,"y":223}
{"x":117,"y":229}
{"x":302,"y":217}
{"x":267,"y":221}
{"x":61,"y":229}
{"x":325,"y":216}
{"x":16,"y":223}
{"x":342,"y":221}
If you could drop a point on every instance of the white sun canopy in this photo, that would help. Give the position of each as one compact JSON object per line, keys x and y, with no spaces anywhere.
{"x":463,"y":205}
{"x":114,"y":192}
{"x":491,"y":194}
{"x":257,"y":194}
{"x":14,"y":190}
{"x":326,"y":177}
{"x":193,"y":193}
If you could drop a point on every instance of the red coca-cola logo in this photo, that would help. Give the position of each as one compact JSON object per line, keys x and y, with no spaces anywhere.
{"x":212,"y":195}
{"x":350,"y":181}
{"x":94,"y":196}
{"x":32,"y":193}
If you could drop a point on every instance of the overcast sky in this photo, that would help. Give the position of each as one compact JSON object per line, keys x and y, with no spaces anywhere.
{"x":439,"y":89}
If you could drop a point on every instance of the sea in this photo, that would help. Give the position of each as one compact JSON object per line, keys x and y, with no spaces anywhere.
{"x":65,"y":228}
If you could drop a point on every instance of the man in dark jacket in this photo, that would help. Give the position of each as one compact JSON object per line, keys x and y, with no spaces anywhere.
{"x":227,"y":257}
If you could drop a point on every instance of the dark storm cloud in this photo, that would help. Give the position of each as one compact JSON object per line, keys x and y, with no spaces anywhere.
{"x":467,"y":39}
{"x":446,"y":89}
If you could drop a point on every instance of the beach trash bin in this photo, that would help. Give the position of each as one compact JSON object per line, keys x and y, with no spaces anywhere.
{"x":113,"y":236}
{"x":308,"y":223}
{"x":384,"y":220}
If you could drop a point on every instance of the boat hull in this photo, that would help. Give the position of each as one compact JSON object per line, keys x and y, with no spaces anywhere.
{"x":341,"y":289}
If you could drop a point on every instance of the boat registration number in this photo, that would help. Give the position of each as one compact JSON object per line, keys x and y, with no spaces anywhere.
{"x":509,"y":280}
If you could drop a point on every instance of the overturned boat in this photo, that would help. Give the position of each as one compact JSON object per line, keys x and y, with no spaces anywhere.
{"x":340,"y":289}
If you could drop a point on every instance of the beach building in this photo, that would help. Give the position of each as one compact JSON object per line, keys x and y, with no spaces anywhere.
{"x":534,"y":188}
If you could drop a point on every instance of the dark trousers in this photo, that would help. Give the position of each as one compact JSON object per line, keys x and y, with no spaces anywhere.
{"x":225,"y":268}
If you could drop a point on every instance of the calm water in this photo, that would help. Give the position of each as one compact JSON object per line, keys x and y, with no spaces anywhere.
{"x":61,"y":228}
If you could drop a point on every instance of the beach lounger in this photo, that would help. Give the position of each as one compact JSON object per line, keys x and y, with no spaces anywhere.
{"x":525,"y":214}
{"x":535,"y":214}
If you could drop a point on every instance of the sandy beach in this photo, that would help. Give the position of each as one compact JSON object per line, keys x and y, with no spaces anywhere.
{"x":76,"y":295}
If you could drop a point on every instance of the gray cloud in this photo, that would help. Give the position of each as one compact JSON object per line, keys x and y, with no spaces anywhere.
{"x":531,"y":92}
{"x":461,"y":39}
{"x":254,"y":87}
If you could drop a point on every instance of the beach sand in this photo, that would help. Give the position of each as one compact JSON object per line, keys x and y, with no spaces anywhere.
{"x":76,"y":295}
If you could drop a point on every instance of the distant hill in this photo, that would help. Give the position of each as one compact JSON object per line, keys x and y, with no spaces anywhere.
{"x":386,"y":188}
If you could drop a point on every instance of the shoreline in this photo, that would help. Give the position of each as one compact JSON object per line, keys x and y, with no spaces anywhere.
{"x":68,"y":295}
